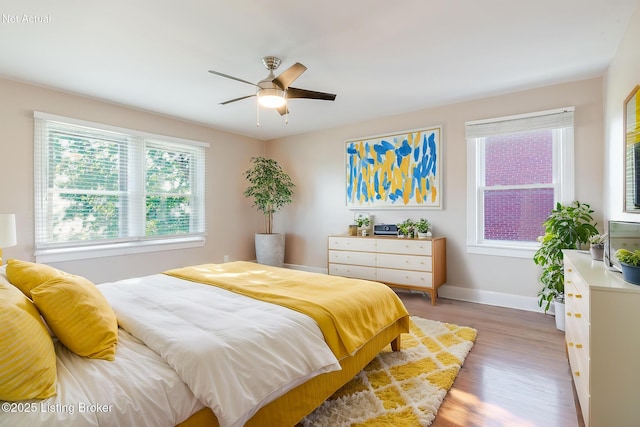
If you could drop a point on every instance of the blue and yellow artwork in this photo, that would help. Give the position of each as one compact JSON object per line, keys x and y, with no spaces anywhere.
{"x":401,"y":170}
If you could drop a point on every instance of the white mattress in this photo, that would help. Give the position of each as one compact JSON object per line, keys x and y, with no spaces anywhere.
{"x":100,"y":393}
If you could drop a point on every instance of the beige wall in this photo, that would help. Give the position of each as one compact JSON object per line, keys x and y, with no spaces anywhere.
{"x":231,"y":222}
{"x":621,"y":77}
{"x":316,"y":163}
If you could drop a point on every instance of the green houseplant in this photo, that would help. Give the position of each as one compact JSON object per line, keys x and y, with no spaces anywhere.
{"x":422,"y":227}
{"x":630,"y":263}
{"x":271,"y":189}
{"x":596,"y":246}
{"x":405,"y":228}
{"x":566,"y":227}
{"x":362,"y":221}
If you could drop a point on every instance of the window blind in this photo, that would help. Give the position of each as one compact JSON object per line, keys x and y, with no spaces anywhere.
{"x":551,"y":119}
{"x":100,"y":185}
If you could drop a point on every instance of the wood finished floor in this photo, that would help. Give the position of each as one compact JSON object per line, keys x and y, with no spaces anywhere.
{"x":516,"y":374}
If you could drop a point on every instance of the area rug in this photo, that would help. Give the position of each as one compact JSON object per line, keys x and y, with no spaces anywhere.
{"x":402,"y":388}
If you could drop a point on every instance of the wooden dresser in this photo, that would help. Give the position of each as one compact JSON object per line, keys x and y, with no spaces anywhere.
{"x":603,"y":341}
{"x":418,"y":264}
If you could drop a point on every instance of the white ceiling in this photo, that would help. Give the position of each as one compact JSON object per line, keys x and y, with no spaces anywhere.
{"x":381,"y":58}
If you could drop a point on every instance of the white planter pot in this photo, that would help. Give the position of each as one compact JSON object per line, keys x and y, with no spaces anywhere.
{"x":270,"y":249}
{"x":558,"y":308}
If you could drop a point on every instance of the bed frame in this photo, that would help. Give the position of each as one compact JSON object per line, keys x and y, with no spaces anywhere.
{"x":292,"y":407}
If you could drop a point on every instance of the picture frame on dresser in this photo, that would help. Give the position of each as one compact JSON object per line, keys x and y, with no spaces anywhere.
{"x":396,"y":170}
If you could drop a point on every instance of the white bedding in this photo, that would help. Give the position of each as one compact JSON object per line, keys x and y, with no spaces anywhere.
{"x":100,"y":393}
{"x":236,"y":354}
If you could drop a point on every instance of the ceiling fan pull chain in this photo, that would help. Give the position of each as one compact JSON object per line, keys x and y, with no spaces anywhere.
{"x":257,"y":114}
{"x":286,"y":109}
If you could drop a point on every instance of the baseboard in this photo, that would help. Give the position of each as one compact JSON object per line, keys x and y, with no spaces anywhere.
{"x":498,"y":299}
{"x":307,"y":268}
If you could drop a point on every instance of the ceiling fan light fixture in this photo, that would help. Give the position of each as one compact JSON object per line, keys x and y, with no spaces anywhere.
{"x":271,"y":98}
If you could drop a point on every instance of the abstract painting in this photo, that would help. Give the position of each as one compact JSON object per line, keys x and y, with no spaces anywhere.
{"x":397,"y":170}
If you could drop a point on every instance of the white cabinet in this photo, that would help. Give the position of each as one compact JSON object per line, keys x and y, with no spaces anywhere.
{"x":603,"y":341}
{"x":403,"y":263}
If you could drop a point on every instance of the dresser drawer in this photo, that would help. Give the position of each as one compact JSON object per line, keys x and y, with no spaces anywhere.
{"x":352,"y":244}
{"x":577,"y":337}
{"x":405,"y":246}
{"x":353,"y":271}
{"x":576,"y":295}
{"x":580,"y":373}
{"x":404,"y":277}
{"x":355,"y":258}
{"x":406,"y":262}
{"x":577,"y":308}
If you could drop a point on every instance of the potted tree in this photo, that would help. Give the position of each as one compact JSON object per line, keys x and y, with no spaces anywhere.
{"x":271,"y":189}
{"x":565,"y":228}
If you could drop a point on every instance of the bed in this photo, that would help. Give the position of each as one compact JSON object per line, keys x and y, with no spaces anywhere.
{"x":211,"y":345}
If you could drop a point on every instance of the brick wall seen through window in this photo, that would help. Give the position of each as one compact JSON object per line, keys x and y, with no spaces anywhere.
{"x":512,"y":160}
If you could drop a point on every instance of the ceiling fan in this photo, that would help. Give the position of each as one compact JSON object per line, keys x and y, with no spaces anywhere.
{"x":272,"y":91}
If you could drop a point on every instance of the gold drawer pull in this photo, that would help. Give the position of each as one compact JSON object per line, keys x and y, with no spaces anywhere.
{"x":578,"y":315}
{"x":570,"y":344}
{"x":577,"y":373}
{"x":569,"y":270}
{"x":569,"y":314}
{"x":569,"y":295}
{"x":578,"y":345}
{"x":569,"y":281}
{"x":578,"y":295}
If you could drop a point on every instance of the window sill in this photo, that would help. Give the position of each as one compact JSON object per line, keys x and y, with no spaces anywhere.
{"x":503,"y":250}
{"x":116,"y":249}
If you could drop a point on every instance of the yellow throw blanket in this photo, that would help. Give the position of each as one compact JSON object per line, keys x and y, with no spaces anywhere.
{"x":348,"y":311}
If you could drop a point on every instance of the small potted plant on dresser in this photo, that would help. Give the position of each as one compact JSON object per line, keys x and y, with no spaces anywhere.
{"x":630,"y":263}
{"x":363,"y":223}
{"x":406,"y":228}
{"x":565,"y":228}
{"x":423,"y":226}
{"x":596,"y":246}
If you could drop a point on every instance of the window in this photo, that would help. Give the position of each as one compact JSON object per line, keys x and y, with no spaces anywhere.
{"x":519,"y":168}
{"x":103,"y":191}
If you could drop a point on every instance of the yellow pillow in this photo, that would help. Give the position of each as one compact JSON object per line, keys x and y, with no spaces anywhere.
{"x":79,"y":315}
{"x":27,"y":355}
{"x":27,"y":275}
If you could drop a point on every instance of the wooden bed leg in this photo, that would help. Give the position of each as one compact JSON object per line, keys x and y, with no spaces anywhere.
{"x":396,"y":344}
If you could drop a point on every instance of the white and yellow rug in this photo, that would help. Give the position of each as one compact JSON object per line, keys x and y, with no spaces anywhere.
{"x":402,"y":388}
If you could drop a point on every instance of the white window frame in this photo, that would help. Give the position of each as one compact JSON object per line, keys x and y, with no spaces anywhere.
{"x":114,"y":247}
{"x":563,"y":174}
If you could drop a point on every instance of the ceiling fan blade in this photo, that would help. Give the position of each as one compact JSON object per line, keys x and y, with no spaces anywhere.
{"x":236,"y":99}
{"x":293,"y":92}
{"x":232,"y":78}
{"x":283,"y":110}
{"x":289,"y":75}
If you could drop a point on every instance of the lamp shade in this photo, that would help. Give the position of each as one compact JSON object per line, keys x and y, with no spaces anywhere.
{"x":271,"y":97}
{"x":8,"y":230}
